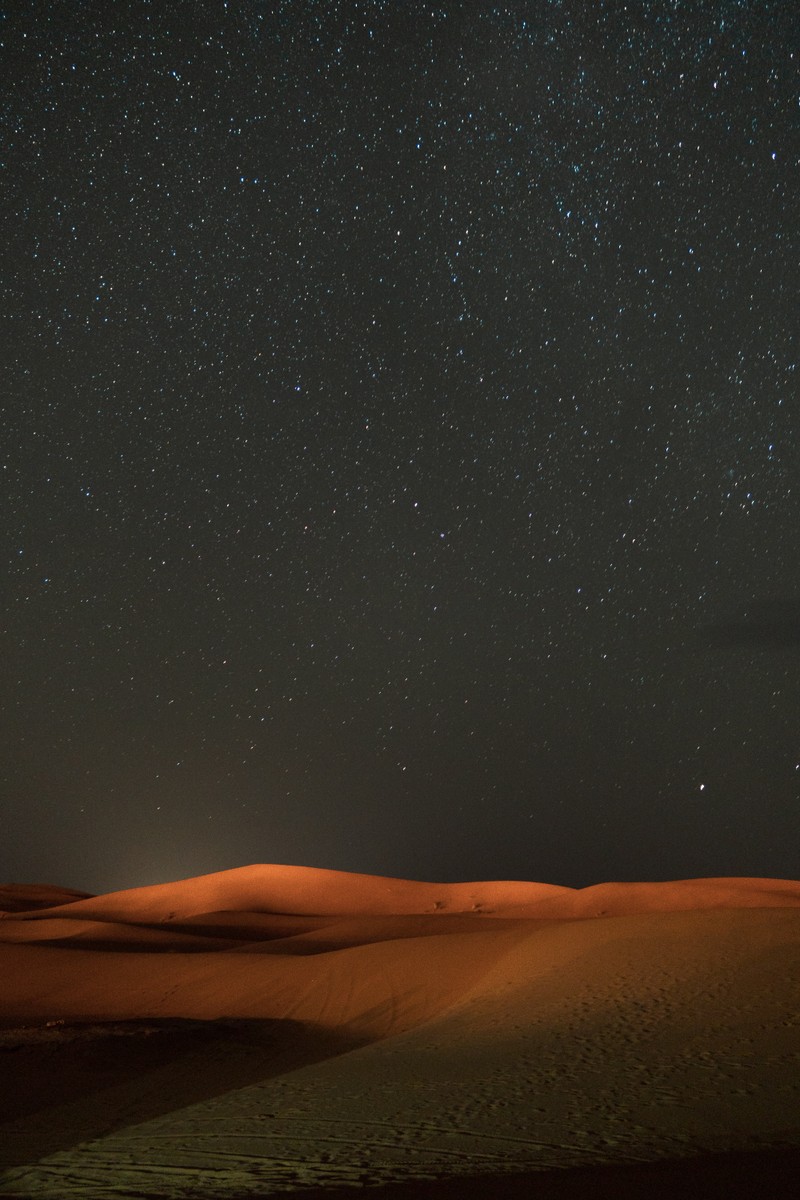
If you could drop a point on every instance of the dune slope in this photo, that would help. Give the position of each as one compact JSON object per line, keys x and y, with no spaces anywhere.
{"x":272,"y":1029}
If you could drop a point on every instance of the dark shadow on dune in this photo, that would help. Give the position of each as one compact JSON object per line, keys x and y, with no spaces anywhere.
{"x":68,"y":1083}
{"x":260,"y":934}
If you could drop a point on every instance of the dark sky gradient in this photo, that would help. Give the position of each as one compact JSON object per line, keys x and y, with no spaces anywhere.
{"x":400,"y":439}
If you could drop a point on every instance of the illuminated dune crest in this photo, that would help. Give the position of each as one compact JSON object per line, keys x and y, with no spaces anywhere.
{"x":312,"y":891}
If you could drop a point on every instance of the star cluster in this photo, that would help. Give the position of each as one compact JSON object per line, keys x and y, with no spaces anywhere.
{"x":396,"y":399}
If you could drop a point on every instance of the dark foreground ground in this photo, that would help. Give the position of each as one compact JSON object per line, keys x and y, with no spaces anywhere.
{"x":746,"y":1175}
{"x":768,"y":1174}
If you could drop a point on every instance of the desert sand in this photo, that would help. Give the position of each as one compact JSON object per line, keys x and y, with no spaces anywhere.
{"x":278,"y":1029}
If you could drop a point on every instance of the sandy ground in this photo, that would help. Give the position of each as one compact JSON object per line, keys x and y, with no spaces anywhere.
{"x":278,"y":1029}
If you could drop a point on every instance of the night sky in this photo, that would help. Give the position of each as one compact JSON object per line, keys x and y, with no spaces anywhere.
{"x":401,"y":439}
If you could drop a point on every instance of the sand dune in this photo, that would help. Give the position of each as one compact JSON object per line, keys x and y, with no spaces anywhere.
{"x":312,"y":891}
{"x":304,"y":891}
{"x":25,"y":897}
{"x":278,"y":1028}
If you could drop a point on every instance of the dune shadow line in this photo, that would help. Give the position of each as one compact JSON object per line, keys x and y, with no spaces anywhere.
{"x":88,"y":1081}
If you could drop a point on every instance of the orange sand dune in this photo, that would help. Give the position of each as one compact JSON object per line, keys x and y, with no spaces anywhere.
{"x":282,"y":1028}
{"x":305,"y":891}
{"x":620,"y":899}
{"x":311,"y":891}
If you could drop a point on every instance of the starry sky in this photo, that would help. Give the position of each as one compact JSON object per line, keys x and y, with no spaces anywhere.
{"x":400,"y":449}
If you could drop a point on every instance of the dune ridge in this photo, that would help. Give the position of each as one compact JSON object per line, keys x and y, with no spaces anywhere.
{"x":278,"y":1028}
{"x":315,"y":891}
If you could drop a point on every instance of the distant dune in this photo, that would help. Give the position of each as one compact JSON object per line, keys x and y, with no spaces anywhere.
{"x":276,"y":1028}
{"x":25,"y":897}
{"x":311,"y":891}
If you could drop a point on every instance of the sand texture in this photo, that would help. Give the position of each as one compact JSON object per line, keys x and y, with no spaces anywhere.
{"x":282,"y":1029}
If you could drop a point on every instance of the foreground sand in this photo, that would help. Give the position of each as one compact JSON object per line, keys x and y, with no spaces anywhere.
{"x":280,"y":1028}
